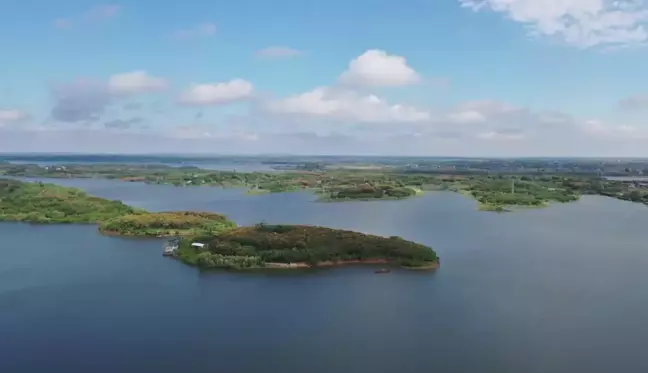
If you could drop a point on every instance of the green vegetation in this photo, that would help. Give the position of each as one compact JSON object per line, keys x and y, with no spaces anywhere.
{"x":162,"y":224}
{"x":494,"y":194}
{"x":367,"y":192}
{"x":49,"y":203}
{"x":263,"y":245}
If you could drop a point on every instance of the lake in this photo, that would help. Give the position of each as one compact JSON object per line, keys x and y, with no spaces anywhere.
{"x":559,"y":290}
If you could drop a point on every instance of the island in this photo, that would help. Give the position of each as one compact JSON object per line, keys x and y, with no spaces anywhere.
{"x":37,"y":202}
{"x":301,"y":246}
{"x":367,"y":192}
{"x":211,"y":240}
{"x":167,"y":224}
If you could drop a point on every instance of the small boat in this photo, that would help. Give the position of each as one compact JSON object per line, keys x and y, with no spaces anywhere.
{"x":382,"y":270}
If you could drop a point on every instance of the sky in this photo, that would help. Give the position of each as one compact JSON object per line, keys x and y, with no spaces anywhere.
{"x":366,"y":77}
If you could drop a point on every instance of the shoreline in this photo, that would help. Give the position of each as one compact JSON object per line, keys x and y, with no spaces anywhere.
{"x":119,"y":234}
{"x":341,"y":263}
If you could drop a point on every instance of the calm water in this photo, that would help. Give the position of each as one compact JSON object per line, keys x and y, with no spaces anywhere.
{"x":555,"y":290}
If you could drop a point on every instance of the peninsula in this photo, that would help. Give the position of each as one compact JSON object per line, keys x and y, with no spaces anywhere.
{"x":211,"y":240}
{"x":167,"y":224}
{"x":37,"y":202}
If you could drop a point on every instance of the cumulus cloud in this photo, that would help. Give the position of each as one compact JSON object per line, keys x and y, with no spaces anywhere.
{"x":278,"y":52}
{"x":497,"y":120}
{"x":612,"y":132}
{"x":582,"y":23}
{"x":203,"y":30}
{"x":136,"y":82}
{"x":346,"y":105}
{"x":217,"y":93}
{"x":634,"y":102}
{"x":375,"y":68}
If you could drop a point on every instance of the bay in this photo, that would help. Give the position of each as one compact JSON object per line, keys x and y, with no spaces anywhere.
{"x":560,"y":289}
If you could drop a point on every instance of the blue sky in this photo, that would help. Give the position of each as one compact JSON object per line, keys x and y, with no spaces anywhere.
{"x":411,"y":77}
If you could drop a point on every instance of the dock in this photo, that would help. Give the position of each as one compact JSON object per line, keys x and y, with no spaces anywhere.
{"x":171,"y":247}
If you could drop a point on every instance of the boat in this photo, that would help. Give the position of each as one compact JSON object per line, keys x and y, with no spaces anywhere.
{"x":382,"y":270}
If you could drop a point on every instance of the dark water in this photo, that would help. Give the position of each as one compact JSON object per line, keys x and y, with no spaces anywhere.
{"x":557,"y":290}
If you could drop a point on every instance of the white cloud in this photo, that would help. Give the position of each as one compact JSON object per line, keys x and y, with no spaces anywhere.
{"x":199,"y":31}
{"x":582,"y":23}
{"x":484,"y":111}
{"x":376,"y":68}
{"x":278,"y":52}
{"x":217,"y":93}
{"x":136,"y":82}
{"x":608,"y":131}
{"x":12,"y":115}
{"x":346,"y":105}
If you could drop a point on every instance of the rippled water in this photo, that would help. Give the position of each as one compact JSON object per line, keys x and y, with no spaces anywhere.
{"x":561,"y":289}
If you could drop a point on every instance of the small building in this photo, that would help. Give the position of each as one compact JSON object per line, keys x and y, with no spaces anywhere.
{"x":198,"y":245}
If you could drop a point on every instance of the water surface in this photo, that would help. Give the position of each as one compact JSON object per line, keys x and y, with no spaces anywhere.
{"x":560,"y":289}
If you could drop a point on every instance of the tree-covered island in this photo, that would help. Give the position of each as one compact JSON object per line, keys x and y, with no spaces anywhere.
{"x":302,"y":246}
{"x":225,"y":244}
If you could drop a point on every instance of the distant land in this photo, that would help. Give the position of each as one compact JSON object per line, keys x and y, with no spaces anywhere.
{"x":496,"y":183}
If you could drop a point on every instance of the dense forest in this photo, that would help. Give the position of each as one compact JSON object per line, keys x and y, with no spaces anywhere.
{"x":254,"y":246}
{"x":368,"y":192}
{"x":48,"y":203}
{"x":172,"y":223}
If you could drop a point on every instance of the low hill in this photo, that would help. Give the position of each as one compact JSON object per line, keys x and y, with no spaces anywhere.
{"x":173,"y":223}
{"x":37,"y":202}
{"x":303,"y":246}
